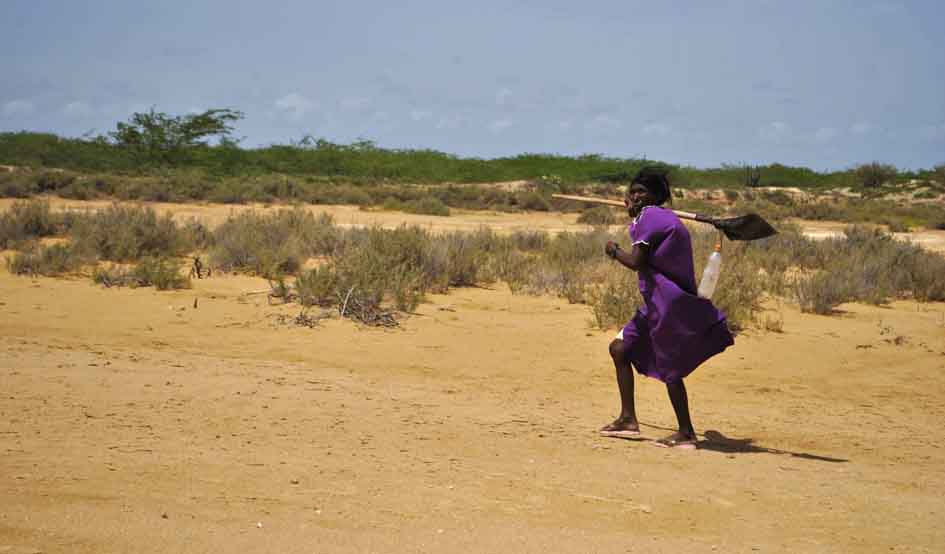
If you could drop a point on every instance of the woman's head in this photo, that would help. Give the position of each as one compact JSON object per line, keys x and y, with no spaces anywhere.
{"x":650,"y":187}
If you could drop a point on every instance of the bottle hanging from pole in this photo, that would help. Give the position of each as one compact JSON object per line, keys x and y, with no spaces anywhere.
{"x":710,"y":275}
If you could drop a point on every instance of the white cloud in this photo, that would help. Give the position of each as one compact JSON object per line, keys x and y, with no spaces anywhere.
{"x":861,"y":127}
{"x":776,"y":130}
{"x":657,"y":129}
{"x":295,"y":105}
{"x":499,"y":125}
{"x":17,"y":107}
{"x":77,"y":109}
{"x":825,"y":134}
{"x":502,"y":96}
{"x":564,"y":125}
{"x":420,"y":115}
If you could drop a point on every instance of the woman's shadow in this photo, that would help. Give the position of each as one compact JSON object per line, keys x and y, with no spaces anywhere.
{"x":718,"y":442}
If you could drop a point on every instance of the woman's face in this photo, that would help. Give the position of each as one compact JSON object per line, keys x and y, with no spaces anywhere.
{"x":636,"y":198}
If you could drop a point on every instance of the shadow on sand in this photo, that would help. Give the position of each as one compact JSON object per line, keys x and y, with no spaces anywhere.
{"x":717,"y":442}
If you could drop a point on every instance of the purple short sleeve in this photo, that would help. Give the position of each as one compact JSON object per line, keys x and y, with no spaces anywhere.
{"x":650,"y":228}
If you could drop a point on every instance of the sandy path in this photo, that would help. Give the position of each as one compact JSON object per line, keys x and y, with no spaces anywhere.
{"x":214,"y":214}
{"x":132,"y":422}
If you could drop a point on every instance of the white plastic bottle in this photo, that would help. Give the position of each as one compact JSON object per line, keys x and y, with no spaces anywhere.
{"x":710,"y":276}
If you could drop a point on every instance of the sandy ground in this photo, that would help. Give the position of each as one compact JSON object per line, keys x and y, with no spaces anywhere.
{"x":193,"y":421}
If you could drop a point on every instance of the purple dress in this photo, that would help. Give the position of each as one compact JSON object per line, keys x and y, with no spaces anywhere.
{"x":675,"y":330}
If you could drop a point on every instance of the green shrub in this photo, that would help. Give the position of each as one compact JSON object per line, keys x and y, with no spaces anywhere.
{"x":532,"y":201}
{"x":427,"y":206}
{"x":16,"y":185}
{"x":875,"y":174}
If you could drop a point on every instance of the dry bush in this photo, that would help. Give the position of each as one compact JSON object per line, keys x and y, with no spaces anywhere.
{"x":614,"y":301}
{"x":57,"y":259}
{"x":28,"y":220}
{"x":270,"y":245}
{"x":598,"y":215}
{"x":821,"y":292}
{"x":128,"y":233}
{"x":161,"y":273}
{"x":529,"y":241}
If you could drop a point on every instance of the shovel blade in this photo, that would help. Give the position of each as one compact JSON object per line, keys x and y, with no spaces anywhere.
{"x":745,"y":227}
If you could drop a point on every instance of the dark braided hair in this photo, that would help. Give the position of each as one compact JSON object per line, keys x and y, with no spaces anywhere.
{"x":654,"y":178}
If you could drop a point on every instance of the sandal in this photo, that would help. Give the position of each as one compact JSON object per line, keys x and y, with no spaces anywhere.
{"x":616,"y":431}
{"x":684,"y":443}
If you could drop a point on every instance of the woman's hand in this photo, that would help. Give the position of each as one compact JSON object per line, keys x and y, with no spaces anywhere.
{"x":611,"y":249}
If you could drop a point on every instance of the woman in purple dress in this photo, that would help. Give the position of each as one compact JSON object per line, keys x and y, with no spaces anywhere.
{"x":675,"y":330}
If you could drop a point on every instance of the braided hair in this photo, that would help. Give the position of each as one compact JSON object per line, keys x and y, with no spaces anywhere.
{"x":654,"y":178}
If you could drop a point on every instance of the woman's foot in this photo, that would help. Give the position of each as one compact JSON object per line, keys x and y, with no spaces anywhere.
{"x":678,"y":440}
{"x":621,"y":428}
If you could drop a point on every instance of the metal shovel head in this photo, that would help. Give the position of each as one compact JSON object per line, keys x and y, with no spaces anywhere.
{"x":744,"y":227}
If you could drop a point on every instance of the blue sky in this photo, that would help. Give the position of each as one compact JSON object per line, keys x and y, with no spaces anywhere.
{"x":821,"y":84}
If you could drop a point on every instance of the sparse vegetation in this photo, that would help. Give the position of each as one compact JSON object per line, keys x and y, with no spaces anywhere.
{"x":56,"y":259}
{"x":378,"y":271}
{"x":26,"y":221}
{"x":598,"y":215}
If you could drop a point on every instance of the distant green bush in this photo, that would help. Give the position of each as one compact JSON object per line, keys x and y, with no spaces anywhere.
{"x":427,"y":206}
{"x":875,"y":174}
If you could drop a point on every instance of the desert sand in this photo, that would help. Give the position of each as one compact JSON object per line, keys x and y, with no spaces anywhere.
{"x":196,"y":421}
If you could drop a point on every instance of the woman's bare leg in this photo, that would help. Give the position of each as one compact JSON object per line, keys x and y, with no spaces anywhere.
{"x":627,"y":420}
{"x":686,"y":435}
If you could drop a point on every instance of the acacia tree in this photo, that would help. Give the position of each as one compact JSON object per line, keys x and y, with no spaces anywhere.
{"x":156,"y":137}
{"x":875,"y":174}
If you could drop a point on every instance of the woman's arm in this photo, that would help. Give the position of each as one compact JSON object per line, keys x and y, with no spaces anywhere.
{"x":635,"y":259}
